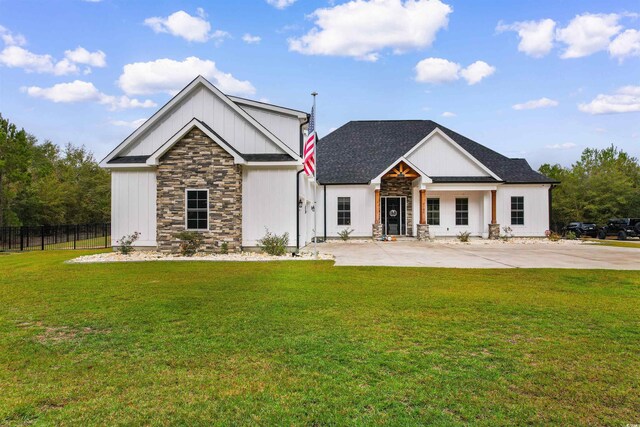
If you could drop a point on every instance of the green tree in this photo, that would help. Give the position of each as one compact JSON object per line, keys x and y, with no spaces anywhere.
{"x":602,"y":184}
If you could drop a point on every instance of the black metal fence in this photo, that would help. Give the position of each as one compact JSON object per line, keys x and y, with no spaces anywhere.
{"x":48,"y":237}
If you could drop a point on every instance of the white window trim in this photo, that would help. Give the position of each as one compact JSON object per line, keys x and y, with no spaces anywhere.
{"x":524,"y":218}
{"x":338,"y":211}
{"x":186,"y":209}
{"x":455,"y":210}
{"x":439,"y":211}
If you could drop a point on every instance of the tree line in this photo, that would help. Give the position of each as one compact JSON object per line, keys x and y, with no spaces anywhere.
{"x":602,"y":184}
{"x":43,"y":184}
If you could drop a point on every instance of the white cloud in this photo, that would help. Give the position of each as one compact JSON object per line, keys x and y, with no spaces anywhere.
{"x":18,"y":57}
{"x":169,"y":76}
{"x":449,"y":114}
{"x":536,"y":103}
{"x":11,"y":39}
{"x":626,"y":44}
{"x":536,"y":37}
{"x":477,"y":71}
{"x":361,"y":29}
{"x":248,"y":38}
{"x":625,"y":100}
{"x":439,"y":70}
{"x":281,"y":4}
{"x":181,"y":24}
{"x":588,"y":33}
{"x":81,"y":91}
{"x":81,"y":55}
{"x":133,"y":124}
{"x":565,"y":146}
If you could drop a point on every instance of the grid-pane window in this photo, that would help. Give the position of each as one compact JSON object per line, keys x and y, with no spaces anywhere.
{"x":197,"y":209}
{"x":344,"y":210}
{"x":462,"y":211}
{"x":517,"y":210}
{"x":433,"y":211}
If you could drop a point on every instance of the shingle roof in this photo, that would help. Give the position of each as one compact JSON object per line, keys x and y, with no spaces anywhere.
{"x":359,"y":151}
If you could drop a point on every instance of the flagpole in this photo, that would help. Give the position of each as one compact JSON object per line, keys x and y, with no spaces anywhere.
{"x":315,"y":186}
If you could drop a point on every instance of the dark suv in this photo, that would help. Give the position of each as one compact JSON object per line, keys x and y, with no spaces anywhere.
{"x":621,"y":227}
{"x":581,"y":229}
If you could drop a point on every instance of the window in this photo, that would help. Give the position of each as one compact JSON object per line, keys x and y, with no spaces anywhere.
{"x":344,"y":210}
{"x":433,"y":211}
{"x":517,"y":210}
{"x":462,"y":211}
{"x":197,"y":209}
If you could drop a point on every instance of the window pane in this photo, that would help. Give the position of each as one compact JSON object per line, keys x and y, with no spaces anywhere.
{"x":433,"y":211}
{"x":517,"y":210}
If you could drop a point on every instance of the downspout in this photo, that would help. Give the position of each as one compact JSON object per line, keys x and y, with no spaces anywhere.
{"x":298,"y":188}
{"x":324,"y":216}
{"x":551,"y":187}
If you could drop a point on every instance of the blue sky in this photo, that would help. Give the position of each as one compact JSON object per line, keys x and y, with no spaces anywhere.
{"x":541,"y":80}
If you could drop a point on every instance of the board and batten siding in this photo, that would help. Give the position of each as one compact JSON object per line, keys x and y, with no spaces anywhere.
{"x":536,"y":208}
{"x":362,"y":209}
{"x":284,"y":126}
{"x":448,"y":225}
{"x":268,"y":201}
{"x":438,"y":157}
{"x":209,"y":108}
{"x":133,"y":206}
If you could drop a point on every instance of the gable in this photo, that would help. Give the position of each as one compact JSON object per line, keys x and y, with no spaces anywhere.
{"x":285,"y":126}
{"x":438,"y":157}
{"x":206,"y":106}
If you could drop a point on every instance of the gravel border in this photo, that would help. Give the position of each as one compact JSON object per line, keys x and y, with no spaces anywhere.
{"x":146,"y":256}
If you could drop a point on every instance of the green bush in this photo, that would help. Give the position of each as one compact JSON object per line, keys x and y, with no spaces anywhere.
{"x":570,"y":235}
{"x":224,"y":248}
{"x":125,"y":244}
{"x":273,"y":244}
{"x":190,"y":242}
{"x":344,"y":234}
{"x":463,"y":236}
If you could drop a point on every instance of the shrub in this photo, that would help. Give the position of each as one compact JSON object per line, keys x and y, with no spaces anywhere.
{"x":508,"y":233}
{"x":224,"y":248}
{"x":344,"y":234}
{"x":552,"y":235}
{"x":463,"y":236}
{"x":570,"y":235}
{"x":125,"y":244}
{"x":273,"y":244}
{"x":190,"y":242}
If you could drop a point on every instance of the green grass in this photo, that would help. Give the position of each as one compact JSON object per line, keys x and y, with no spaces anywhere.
{"x":297,"y":343}
{"x":616,"y":243}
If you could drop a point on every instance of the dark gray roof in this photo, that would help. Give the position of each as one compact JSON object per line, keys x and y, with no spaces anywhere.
{"x":359,"y":151}
{"x":129,"y":159}
{"x":267,"y":157}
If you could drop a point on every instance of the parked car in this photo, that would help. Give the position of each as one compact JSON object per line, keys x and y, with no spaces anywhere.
{"x":581,"y":229}
{"x":621,"y":227}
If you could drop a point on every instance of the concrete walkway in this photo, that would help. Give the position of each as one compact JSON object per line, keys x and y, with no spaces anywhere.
{"x":477,"y":255}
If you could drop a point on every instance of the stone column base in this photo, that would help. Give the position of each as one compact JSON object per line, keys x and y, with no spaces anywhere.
{"x":377,"y":231}
{"x":423,"y":232}
{"x":494,"y":231}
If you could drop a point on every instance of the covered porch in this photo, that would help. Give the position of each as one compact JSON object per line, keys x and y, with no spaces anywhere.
{"x":410,"y":203}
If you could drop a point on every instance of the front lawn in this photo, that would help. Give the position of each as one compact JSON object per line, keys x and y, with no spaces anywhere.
{"x":294,"y":343}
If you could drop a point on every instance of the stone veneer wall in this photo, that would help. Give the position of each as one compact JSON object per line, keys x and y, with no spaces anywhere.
{"x":400,"y":187}
{"x":197,"y":162}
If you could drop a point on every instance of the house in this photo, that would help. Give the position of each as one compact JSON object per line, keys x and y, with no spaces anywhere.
{"x":230,"y":168}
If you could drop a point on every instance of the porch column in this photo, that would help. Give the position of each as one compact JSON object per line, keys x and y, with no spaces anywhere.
{"x":423,"y":228}
{"x":376,"y":231}
{"x":494,"y":227}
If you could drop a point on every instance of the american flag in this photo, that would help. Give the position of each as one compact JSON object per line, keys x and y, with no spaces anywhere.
{"x":309,"y":152}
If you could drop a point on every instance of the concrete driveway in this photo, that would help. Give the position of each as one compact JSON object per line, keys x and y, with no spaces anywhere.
{"x":412,"y":253}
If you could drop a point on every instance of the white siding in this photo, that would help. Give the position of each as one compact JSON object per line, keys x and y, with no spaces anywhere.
{"x":208,"y":107}
{"x":536,"y":208}
{"x":362,"y":209}
{"x":285,"y":127}
{"x":448,"y":225}
{"x":133,"y":206}
{"x":305,"y":212}
{"x":438,"y":157}
{"x":268,"y":200}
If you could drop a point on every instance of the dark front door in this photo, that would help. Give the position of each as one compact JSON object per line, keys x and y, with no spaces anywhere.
{"x":393,"y":215}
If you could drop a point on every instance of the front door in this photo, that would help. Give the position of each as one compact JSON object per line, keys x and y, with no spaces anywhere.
{"x":393,"y":214}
